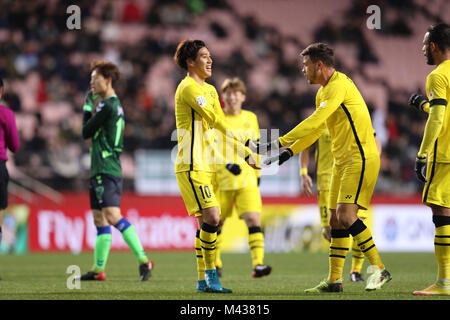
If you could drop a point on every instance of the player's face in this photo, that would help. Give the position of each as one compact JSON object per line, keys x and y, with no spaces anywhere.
{"x":233,"y":99}
{"x":309,"y":69}
{"x":203,"y":63}
{"x":426,"y":49}
{"x":98,"y":83}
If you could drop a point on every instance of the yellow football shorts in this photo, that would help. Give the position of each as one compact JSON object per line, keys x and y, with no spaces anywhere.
{"x":354,"y":183}
{"x":322,"y":201}
{"x":437,"y":188}
{"x":197,"y":190}
{"x":246,"y":199}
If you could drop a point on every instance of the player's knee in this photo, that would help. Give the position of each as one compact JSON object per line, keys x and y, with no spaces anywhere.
{"x":214,"y":221}
{"x":112,"y":215}
{"x":345,"y":221}
{"x":211,"y":216}
{"x":251,"y":219}
{"x":99,"y":219}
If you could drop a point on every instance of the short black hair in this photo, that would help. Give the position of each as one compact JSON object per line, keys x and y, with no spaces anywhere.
{"x":320,"y":51}
{"x":440,"y":35}
{"x":187,"y":49}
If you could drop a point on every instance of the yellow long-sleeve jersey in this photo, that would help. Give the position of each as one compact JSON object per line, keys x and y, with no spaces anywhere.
{"x":323,"y":156}
{"x":341,"y":107}
{"x":244,"y":126}
{"x":197,"y":111}
{"x":436,"y":140}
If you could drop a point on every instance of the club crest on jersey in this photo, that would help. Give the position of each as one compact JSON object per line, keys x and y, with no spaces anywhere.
{"x":100,"y":106}
{"x":201,"y":101}
{"x":431,"y":95}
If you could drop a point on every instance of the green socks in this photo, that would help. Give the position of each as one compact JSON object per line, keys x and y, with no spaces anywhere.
{"x":102,"y":246}
{"x":131,"y":238}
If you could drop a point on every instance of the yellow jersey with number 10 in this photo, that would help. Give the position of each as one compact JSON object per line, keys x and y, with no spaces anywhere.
{"x":197,"y":107}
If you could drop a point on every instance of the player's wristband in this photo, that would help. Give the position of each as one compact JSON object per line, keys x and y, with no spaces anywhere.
{"x":87,"y":107}
{"x":303,"y":171}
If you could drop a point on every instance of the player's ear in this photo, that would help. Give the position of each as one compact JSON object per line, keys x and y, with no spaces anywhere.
{"x":190,"y":62}
{"x":320,"y":64}
{"x":433,"y":47}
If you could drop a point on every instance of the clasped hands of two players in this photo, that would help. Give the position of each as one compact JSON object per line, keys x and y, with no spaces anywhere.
{"x":418,"y":101}
{"x":263,"y":148}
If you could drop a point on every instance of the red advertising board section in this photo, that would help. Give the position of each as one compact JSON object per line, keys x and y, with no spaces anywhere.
{"x":160,"y":221}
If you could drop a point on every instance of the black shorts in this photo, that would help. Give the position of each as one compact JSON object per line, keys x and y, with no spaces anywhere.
{"x":4,"y":178}
{"x":105,"y":191}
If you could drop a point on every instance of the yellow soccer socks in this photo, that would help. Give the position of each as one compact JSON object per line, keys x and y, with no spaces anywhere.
{"x":219,"y":263}
{"x":357,"y":257}
{"x":256,"y":245}
{"x":442,"y":246}
{"x":208,"y":238}
{"x":339,"y":246}
{"x":199,"y":257}
{"x":363,"y":237}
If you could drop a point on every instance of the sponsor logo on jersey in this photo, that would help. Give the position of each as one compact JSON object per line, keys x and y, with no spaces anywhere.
{"x":323,"y":104}
{"x":431,"y":95}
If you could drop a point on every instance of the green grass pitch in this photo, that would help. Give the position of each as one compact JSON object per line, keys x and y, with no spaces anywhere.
{"x":43,"y":276}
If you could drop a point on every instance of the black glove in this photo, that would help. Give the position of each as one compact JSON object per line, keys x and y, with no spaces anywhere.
{"x":262,"y":148}
{"x":417,"y":101}
{"x":281,"y":158}
{"x":420,"y":168}
{"x":233,"y":168}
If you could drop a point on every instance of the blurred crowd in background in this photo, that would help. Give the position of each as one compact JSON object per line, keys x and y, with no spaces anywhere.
{"x":45,"y":67}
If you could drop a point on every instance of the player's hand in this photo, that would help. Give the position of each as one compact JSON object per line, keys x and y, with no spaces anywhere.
{"x":233,"y":168}
{"x":306,"y":185}
{"x":281,"y":158}
{"x":326,"y":233}
{"x":263,"y":148}
{"x":252,"y":144}
{"x":417,"y":101}
{"x":89,"y":100}
{"x":420,"y":168}
{"x":251,"y":162}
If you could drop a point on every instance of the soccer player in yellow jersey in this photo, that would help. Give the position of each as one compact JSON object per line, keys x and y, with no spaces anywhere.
{"x":241,"y":191}
{"x":436,"y":146}
{"x":341,"y":107}
{"x":197,"y":110}
{"x":324,"y":164}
